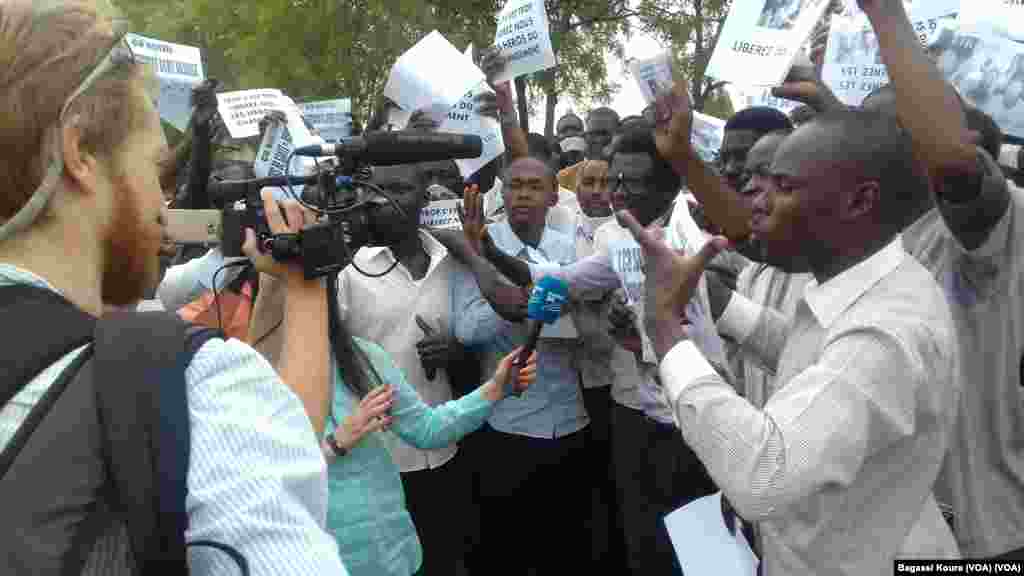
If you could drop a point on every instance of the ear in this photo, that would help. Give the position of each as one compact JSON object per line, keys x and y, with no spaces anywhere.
{"x":862,"y":200}
{"x":80,"y":165}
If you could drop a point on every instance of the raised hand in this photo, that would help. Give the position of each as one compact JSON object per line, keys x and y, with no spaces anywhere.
{"x":471,"y":214}
{"x":673,"y":122}
{"x":493,"y":65}
{"x":204,"y":101}
{"x":372,"y":414}
{"x":802,"y":86}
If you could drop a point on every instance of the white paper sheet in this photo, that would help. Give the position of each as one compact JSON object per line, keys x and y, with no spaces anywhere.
{"x":524,"y":38}
{"x":761,"y":38}
{"x":464,"y":119}
{"x":441,"y":214}
{"x":433,"y":76}
{"x":179,"y":68}
{"x":745,"y":97}
{"x":331,"y":118}
{"x":243,"y":110}
{"x":704,"y":545}
{"x":853,"y":65}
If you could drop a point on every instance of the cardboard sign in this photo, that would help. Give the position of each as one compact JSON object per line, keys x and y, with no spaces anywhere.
{"x":761,"y":38}
{"x":524,"y":38}
{"x":433,"y":76}
{"x":464,"y":119}
{"x":853,"y":64}
{"x":243,"y":110}
{"x":653,"y":75}
{"x":331,"y":118}
{"x":179,"y":68}
{"x":441,"y":214}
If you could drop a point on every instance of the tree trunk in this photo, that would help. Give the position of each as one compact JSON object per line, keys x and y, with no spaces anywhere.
{"x":700,"y":58}
{"x":524,"y":113}
{"x":549,"y":110}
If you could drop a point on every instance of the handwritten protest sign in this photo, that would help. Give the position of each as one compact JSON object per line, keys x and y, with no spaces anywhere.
{"x":853,"y":64}
{"x":761,"y":38}
{"x":464,"y":119}
{"x":988,"y":71}
{"x":524,"y":38}
{"x":179,"y":68}
{"x":242,"y":110}
{"x":653,"y":75}
{"x":441,"y":214}
{"x":433,"y":76}
{"x":278,"y":142}
{"x":331,"y":118}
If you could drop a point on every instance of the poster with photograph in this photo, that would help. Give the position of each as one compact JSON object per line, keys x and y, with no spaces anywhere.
{"x":652,"y":75}
{"x":853,"y":63}
{"x":708,"y":133}
{"x":988,"y":71}
{"x":761,"y":38}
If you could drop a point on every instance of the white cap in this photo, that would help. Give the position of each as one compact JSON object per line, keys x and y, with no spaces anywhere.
{"x":573,"y":144}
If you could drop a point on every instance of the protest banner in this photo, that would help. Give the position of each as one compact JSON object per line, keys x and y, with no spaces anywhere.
{"x":242,"y":111}
{"x":279,"y":141}
{"x":524,"y":37}
{"x":331,"y":118}
{"x":464,"y":119}
{"x":653,"y":75}
{"x":761,"y":38}
{"x":431,"y":76}
{"x":988,"y":71}
{"x":441,"y":214}
{"x":179,"y":68}
{"x":853,"y":64}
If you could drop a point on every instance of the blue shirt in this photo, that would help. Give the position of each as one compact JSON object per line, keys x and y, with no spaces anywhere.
{"x":552,"y":407}
{"x":366,"y":507}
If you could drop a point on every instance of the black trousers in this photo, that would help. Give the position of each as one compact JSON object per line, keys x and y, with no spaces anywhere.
{"x":655,"y":473}
{"x":533,"y":503}
{"x":607,"y":541}
{"x":439,"y":501}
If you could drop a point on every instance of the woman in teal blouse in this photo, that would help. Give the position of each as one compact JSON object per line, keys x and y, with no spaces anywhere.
{"x":366,"y":506}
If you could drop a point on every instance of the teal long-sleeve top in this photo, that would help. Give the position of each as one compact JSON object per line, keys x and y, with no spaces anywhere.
{"x":366,"y":503}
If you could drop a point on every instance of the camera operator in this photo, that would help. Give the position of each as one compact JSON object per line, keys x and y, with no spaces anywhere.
{"x":84,"y":180}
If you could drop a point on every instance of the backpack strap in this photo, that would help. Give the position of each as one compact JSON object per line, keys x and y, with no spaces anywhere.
{"x":44,"y":328}
{"x":139,"y":374}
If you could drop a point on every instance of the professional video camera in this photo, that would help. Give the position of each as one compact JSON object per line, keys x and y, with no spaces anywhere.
{"x":340,"y":192}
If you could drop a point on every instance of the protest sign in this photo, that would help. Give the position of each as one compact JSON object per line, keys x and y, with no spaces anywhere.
{"x":464,"y":119}
{"x":853,"y":64}
{"x":707,"y":135}
{"x":988,"y":71}
{"x":179,"y":68}
{"x":761,"y":38}
{"x":432,"y":76}
{"x":524,"y":38}
{"x":441,"y":214}
{"x":243,"y":110}
{"x":743,"y":97}
{"x":279,"y":141}
{"x":331,"y":118}
{"x":1001,"y":18}
{"x":653,"y":75}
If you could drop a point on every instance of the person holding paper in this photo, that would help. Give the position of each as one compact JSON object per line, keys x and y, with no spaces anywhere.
{"x":970,"y":242}
{"x":837,"y":469}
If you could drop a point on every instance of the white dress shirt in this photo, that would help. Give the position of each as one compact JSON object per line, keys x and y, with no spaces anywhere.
{"x":256,"y":476}
{"x":838,"y":468}
{"x":383,"y":310}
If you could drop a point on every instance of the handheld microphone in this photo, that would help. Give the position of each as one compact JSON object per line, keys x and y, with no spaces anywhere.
{"x":394,"y":148}
{"x":548,"y":297}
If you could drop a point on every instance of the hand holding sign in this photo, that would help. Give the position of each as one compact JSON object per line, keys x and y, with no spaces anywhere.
{"x":673,"y":123}
{"x":800,"y":86}
{"x":204,"y":101}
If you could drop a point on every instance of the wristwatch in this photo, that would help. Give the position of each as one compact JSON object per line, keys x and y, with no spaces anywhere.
{"x":332,"y":443}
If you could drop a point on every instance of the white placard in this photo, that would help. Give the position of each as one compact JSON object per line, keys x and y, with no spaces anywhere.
{"x":708,"y":133}
{"x":464,"y":119}
{"x":761,"y":38}
{"x":179,"y":68}
{"x":432,"y":76}
{"x":703,"y":543}
{"x":988,"y":71}
{"x":524,"y":38}
{"x":441,"y":214}
{"x":743,"y":97}
{"x":853,"y":64}
{"x":331,"y":118}
{"x":278,"y":142}
{"x":1002,"y":18}
{"x":653,"y":75}
{"x":243,"y":110}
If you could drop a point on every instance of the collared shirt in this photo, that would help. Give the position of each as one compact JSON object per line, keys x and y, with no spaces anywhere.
{"x":838,"y":468}
{"x":983,"y":479}
{"x":255,"y":466}
{"x":552,"y":407}
{"x":384,"y":310}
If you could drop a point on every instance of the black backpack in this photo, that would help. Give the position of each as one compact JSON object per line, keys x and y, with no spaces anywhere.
{"x":94,"y":478}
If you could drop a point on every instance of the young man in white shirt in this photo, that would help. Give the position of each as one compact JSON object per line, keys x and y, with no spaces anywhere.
{"x":837,"y":468}
{"x":970,"y":243}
